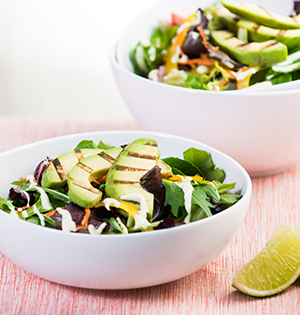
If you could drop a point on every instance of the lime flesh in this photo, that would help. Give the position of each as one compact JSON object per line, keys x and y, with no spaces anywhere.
{"x":274,"y":268}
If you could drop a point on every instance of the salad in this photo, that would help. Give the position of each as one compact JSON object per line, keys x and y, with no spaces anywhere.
{"x":102,"y":189}
{"x":228,"y":46}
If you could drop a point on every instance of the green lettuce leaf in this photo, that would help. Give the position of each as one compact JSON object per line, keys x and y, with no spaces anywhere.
{"x":86,"y":144}
{"x":182,"y":167}
{"x":200,"y":196}
{"x":202,"y":160}
{"x":174,"y":197}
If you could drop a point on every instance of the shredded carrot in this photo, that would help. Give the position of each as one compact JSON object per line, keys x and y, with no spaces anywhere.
{"x":201,"y":32}
{"x":48,"y":164}
{"x":231,"y":73}
{"x":214,"y":48}
{"x":85,"y":220}
{"x":96,"y":182}
{"x":81,"y":227}
{"x":223,"y":82}
{"x":51,"y":213}
{"x":21,"y":178}
{"x":102,"y":179}
{"x":25,"y":207}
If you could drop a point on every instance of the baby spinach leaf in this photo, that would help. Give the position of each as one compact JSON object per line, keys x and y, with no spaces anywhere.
{"x":223,"y":187}
{"x":197,"y":213}
{"x":5,"y":205}
{"x":202,"y":160}
{"x":174,"y":197}
{"x":86,"y":144}
{"x":227,"y":200}
{"x":182,"y":167}
{"x":104,"y":146}
{"x":57,"y":199}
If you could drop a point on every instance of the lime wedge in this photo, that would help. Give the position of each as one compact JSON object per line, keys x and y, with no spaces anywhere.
{"x":274,"y":268}
{"x":277,"y":232}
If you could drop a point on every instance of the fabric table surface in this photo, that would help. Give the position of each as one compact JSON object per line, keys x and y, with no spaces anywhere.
{"x":275,"y":201}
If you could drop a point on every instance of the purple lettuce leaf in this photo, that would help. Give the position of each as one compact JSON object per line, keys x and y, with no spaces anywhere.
{"x":296,"y":7}
{"x":168,"y":223}
{"x":97,"y":217}
{"x":152,"y":182}
{"x":20,"y":198}
{"x":40,"y":169}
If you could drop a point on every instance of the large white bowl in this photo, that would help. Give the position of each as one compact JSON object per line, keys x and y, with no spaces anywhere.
{"x":117,"y":261}
{"x":259,"y":128}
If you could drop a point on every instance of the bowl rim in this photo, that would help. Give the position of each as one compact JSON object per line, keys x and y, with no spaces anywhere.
{"x":168,"y":231}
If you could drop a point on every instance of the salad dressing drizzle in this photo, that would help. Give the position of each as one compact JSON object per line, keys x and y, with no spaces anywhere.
{"x":141,"y":217}
{"x":41,"y":217}
{"x":187,"y":189}
{"x":92,"y":230}
{"x":123,"y":227}
{"x":111,"y":201}
{"x":68,"y":225}
{"x":44,"y":197}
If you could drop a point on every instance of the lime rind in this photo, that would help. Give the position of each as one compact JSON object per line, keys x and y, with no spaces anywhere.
{"x":274,"y":268}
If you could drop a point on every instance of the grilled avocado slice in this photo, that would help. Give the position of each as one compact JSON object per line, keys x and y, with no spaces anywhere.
{"x":256,"y":32}
{"x":124,"y":176}
{"x":262,"y":16}
{"x":81,"y":175}
{"x":250,"y":54}
{"x":56,"y":174}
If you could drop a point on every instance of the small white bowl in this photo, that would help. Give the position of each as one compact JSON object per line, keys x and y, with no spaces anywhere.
{"x":259,"y":130}
{"x":257,"y":127}
{"x":117,"y":261}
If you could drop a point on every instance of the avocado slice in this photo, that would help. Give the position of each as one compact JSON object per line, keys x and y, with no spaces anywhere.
{"x":250,"y":54}
{"x":256,"y":32}
{"x":56,"y":174}
{"x":124,"y":176}
{"x":262,"y":16}
{"x":92,"y":167}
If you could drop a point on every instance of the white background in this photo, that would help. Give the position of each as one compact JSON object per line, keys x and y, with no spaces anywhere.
{"x":54,"y":57}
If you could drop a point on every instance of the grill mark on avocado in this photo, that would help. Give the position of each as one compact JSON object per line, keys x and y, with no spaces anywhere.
{"x":59,"y":169}
{"x":273,"y":43}
{"x":151,"y":144}
{"x":125,"y":182}
{"x":242,"y":45}
{"x":294,"y":18}
{"x":88,"y":188}
{"x":256,"y":27}
{"x":236,"y":19}
{"x":106,"y":157}
{"x":130,"y":169}
{"x":228,"y":37}
{"x":141,"y":156}
{"x":79,"y":154}
{"x":85,"y":167}
{"x":268,"y":12}
{"x":281,"y":33}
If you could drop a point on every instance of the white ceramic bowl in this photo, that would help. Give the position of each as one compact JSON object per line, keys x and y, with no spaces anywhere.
{"x":117,"y":261}
{"x":259,"y":128}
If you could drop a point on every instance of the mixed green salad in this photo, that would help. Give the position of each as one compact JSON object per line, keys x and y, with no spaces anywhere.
{"x":228,"y":46}
{"x":102,"y":189}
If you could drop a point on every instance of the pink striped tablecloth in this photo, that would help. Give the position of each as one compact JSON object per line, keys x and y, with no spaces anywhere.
{"x":275,"y":201}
